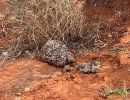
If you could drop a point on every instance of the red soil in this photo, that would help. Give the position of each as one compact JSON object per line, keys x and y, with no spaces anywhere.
{"x":30,"y":79}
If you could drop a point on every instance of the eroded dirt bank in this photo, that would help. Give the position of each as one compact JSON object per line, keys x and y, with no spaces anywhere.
{"x":29,"y":79}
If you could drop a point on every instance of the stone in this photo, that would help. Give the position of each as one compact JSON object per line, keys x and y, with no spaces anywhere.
{"x":67,"y":68}
{"x":56,"y":53}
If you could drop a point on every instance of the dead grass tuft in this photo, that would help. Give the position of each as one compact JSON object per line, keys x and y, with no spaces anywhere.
{"x":31,"y":23}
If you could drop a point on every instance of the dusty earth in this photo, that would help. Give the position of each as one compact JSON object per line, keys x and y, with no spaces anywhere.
{"x":30,"y":79}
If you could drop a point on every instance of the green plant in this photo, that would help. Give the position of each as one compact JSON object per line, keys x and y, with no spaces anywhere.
{"x":110,"y":91}
{"x":122,"y":91}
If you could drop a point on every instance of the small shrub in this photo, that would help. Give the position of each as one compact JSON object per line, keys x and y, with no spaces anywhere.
{"x":33,"y":22}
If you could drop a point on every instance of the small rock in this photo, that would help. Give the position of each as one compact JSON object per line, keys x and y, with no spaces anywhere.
{"x":67,"y":68}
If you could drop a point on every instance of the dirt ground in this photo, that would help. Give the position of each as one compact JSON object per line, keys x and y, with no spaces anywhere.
{"x":30,"y":79}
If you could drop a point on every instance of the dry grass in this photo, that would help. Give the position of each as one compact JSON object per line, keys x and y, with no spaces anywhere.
{"x":31,"y":23}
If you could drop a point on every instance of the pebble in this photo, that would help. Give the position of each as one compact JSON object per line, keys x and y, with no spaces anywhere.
{"x":67,"y":68}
